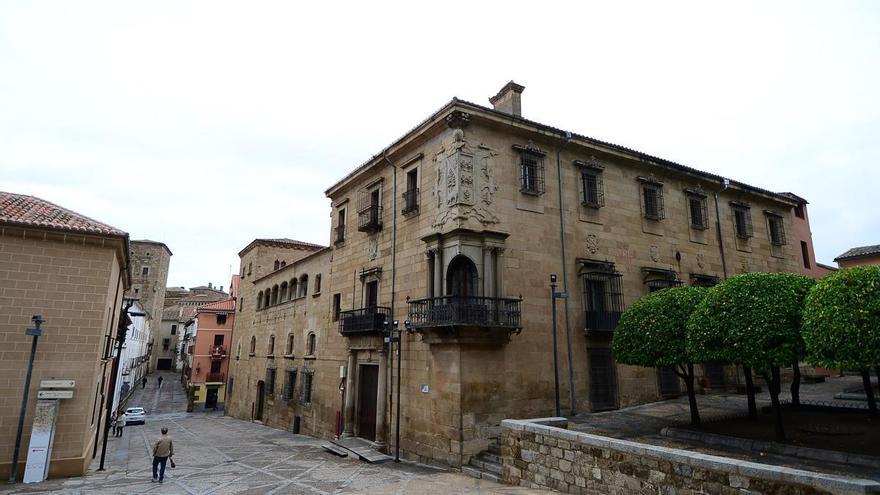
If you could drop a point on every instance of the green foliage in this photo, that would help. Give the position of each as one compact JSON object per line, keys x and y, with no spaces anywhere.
{"x":842,"y":319}
{"x":652,"y":331}
{"x":752,"y":319}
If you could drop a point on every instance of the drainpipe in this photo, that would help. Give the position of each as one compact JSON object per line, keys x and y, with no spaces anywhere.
{"x":393,"y":299}
{"x":565,"y":274}
{"x":726,"y":183}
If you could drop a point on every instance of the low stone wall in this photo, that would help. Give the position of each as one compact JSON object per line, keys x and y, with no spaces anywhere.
{"x":540,"y":454}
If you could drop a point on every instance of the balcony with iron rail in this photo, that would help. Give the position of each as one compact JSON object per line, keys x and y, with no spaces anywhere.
{"x":410,"y":201}
{"x":218,"y":352}
{"x":364,"y":321}
{"x":370,"y":218}
{"x":602,"y":322}
{"x":340,"y":234}
{"x":466,"y":319}
{"x":215,"y":377}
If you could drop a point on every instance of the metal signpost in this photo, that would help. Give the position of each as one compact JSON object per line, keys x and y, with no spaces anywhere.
{"x":36,"y":331}
{"x":554,"y":295}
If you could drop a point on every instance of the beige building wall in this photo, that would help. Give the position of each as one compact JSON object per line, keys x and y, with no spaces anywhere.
{"x":76,"y":283}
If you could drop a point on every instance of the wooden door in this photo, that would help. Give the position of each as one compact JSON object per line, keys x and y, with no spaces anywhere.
{"x":368,"y":380}
{"x":603,"y":380}
{"x":261,"y":398}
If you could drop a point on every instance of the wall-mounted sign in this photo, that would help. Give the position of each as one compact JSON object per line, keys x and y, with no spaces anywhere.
{"x":57,"y":383}
{"x":55,"y":394}
{"x":425,"y":389}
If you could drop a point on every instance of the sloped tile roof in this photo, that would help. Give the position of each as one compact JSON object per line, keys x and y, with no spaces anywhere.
{"x":224,"y":305}
{"x":858,"y":252}
{"x":282,"y":242}
{"x":30,"y":211}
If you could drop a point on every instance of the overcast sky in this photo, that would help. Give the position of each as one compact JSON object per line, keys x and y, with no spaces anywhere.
{"x":206,"y":125}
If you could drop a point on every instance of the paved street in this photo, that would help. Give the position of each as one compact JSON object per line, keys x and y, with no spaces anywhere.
{"x":221,"y":455}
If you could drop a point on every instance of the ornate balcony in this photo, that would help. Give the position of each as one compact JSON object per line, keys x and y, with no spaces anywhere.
{"x":370,"y":218}
{"x":218,"y":352}
{"x":466,"y":320}
{"x":410,"y":201}
{"x":363,"y":321}
{"x":214,"y":377}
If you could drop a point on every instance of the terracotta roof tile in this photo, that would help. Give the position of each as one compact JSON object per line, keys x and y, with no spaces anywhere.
{"x":282,"y":242}
{"x":224,"y":305}
{"x":30,"y":211}
{"x":858,"y":252}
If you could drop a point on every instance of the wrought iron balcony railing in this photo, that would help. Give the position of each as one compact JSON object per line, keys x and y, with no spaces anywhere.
{"x":218,"y":352}
{"x":602,"y":321}
{"x":498,"y":312}
{"x":214,"y":377}
{"x":370,"y":218}
{"x":340,"y":234}
{"x":363,"y":321}
{"x":410,"y":201}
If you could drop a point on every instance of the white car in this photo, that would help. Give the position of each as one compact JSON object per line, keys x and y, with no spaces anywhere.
{"x":135,"y":415}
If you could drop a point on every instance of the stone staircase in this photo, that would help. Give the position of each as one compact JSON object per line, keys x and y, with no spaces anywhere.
{"x":485,"y":465}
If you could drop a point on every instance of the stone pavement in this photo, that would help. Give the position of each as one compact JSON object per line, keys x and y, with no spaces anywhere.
{"x":220,"y":455}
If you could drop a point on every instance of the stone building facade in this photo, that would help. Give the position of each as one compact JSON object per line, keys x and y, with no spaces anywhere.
{"x":150,"y":261}
{"x":72,"y":270}
{"x":454,"y":231}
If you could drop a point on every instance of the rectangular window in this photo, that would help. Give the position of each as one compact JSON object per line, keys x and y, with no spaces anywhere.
{"x":603,"y":300}
{"x":337,"y":306}
{"x":698,"y":212}
{"x":306,"y":397}
{"x":652,"y":201}
{"x":531,"y":173}
{"x":591,"y":183}
{"x":173,"y":329}
{"x":340,"y":226}
{"x":777,"y":229}
{"x":411,"y":195}
{"x":799,"y":211}
{"x":145,"y":271}
{"x":289,"y":384}
{"x":805,"y":254}
{"x":742,"y":221}
{"x":221,"y":318}
{"x":370,"y":210}
{"x":166,"y":344}
{"x":218,"y":339}
{"x":270,"y":382}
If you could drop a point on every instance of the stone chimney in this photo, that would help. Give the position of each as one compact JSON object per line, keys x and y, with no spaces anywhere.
{"x":210,"y":286}
{"x":509,"y":99}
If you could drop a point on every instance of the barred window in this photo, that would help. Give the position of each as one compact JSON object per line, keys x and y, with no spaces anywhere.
{"x":270,"y":382}
{"x":531,"y":173}
{"x":289,"y":384}
{"x":603,"y":299}
{"x":742,"y":220}
{"x":593,"y":195}
{"x":306,"y":395}
{"x":699,"y":213}
{"x":652,"y":199}
{"x":776,"y":228}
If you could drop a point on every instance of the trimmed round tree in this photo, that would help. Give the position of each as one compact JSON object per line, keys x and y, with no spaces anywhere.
{"x":753,"y":320}
{"x":653,"y":331}
{"x":842,"y":323}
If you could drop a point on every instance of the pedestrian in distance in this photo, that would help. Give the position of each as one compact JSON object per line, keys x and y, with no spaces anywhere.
{"x":120,"y":424}
{"x":159,"y":381}
{"x":113,"y":422}
{"x":144,"y":382}
{"x":162,"y":451}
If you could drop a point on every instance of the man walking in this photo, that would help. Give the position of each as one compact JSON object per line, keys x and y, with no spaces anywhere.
{"x":120,"y":424}
{"x":159,"y":380}
{"x":163,"y":449}
{"x":144,"y":382}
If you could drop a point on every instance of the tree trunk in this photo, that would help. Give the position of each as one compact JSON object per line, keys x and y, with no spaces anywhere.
{"x":750,"y":393}
{"x":796,"y":385}
{"x":775,"y":386}
{"x":869,"y":393}
{"x":688,"y":376}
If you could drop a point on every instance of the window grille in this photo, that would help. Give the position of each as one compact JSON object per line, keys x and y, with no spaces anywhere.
{"x":742,"y":221}
{"x":370,"y":210}
{"x":699,"y":212}
{"x":531,"y":173}
{"x":270,"y":382}
{"x":593,"y":191}
{"x":340,"y":227}
{"x":653,"y":201}
{"x":289,"y":384}
{"x":603,"y":300}
{"x":701,"y":280}
{"x":660,"y":284}
{"x":777,"y":229}
{"x":410,"y":201}
{"x":306,"y":397}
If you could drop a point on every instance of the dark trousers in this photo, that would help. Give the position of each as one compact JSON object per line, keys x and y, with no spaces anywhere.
{"x":159,"y":462}
{"x":119,"y":431}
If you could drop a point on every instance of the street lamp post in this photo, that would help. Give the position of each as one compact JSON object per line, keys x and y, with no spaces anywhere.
{"x":553,"y":296}
{"x":36,"y":331}
{"x":121,"y":329}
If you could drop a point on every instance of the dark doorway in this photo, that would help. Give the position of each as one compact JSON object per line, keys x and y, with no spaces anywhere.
{"x":372,"y":295}
{"x":715,"y":375}
{"x":211,"y":398}
{"x":669,"y":384}
{"x":603,"y":380}
{"x":261,"y":398}
{"x":368,"y":378}
{"x":163,"y":364}
{"x":461,"y":277}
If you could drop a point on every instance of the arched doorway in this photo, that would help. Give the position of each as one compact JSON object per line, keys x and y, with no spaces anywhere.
{"x":261,"y":398}
{"x":461,"y":277}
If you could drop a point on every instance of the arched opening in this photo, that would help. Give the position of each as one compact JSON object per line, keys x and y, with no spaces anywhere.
{"x":260,"y":300}
{"x":283,"y":296}
{"x":310,"y":345}
{"x":253,"y":346}
{"x":289,"y":345}
{"x":275,"y":295}
{"x":318,"y":283}
{"x":271,"y":349}
{"x":266,"y":298}
{"x":293,"y":288}
{"x":461,"y":277}
{"x":304,"y":286}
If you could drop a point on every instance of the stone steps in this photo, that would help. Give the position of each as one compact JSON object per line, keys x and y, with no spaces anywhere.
{"x":485,"y":465}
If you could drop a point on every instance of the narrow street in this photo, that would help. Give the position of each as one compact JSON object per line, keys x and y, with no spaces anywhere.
{"x":220,"y":455}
